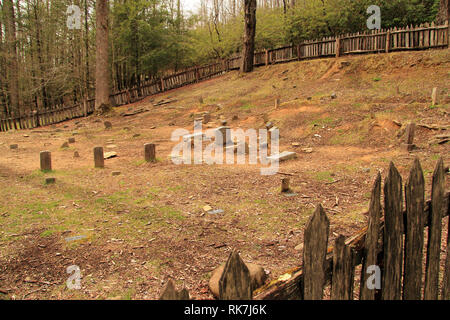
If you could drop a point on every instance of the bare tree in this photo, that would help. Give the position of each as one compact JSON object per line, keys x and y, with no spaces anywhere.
{"x":249,"y":35}
{"x":13,"y":83}
{"x":102,"y":104}
{"x":444,"y":12}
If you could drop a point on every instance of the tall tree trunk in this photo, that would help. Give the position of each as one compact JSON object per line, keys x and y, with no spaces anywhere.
{"x":102,"y":104}
{"x":444,"y":12}
{"x":249,"y":35}
{"x":12,"y":64}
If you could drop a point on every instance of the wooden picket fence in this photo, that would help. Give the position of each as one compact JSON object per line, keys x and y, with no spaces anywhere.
{"x":376,"y":41}
{"x":393,"y":241}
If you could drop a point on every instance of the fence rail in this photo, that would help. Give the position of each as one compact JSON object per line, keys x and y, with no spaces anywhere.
{"x":409,"y":38}
{"x":393,"y":241}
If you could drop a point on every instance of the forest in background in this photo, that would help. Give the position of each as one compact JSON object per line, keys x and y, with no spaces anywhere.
{"x":43,"y":62}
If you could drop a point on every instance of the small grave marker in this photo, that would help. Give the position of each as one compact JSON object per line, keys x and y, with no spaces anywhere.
{"x":46,"y":160}
{"x":150,"y":152}
{"x":99,"y":160}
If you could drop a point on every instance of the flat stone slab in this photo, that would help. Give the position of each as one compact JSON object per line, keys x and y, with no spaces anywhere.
{"x":109,"y":155}
{"x":285,"y":155}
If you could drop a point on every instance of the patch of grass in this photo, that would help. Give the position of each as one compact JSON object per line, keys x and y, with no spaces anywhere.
{"x":247,"y":106}
{"x":376,"y":79}
{"x":323,"y":176}
{"x":47,"y":233}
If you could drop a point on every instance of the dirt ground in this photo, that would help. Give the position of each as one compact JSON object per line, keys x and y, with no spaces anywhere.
{"x":147,"y":225}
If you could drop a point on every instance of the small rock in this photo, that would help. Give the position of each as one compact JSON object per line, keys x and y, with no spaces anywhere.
{"x":71,"y":140}
{"x":108,"y":125}
{"x":299,"y":247}
{"x":14,"y":146}
{"x":207,"y":208}
{"x":309,"y":98}
{"x":235,"y":117}
{"x":307,"y":150}
{"x":333,"y":96}
{"x":26,"y":136}
{"x":76,"y":154}
{"x":136,"y":135}
{"x":116,"y":173}
{"x":111,"y":146}
{"x":152,"y":127}
{"x":295,"y":144}
{"x":65,"y":145}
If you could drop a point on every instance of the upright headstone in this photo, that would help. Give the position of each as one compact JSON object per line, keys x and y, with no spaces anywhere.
{"x":285,"y":185}
{"x":410,"y":128}
{"x":98,"y":157}
{"x":433,"y":96}
{"x":150,"y":152}
{"x":46,"y":160}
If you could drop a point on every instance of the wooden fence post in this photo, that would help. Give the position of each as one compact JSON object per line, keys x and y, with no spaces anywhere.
{"x":235,"y":282}
{"x":415,"y":204}
{"x":314,"y":254}
{"x":338,"y":47}
{"x":266,"y":57}
{"x":299,"y":53}
{"x":445,"y":294}
{"x":343,"y":271}
{"x":388,"y":40}
{"x":434,"y":233}
{"x":170,"y":293}
{"x":371,"y":240}
{"x":393,"y":236}
{"x":162,"y":84}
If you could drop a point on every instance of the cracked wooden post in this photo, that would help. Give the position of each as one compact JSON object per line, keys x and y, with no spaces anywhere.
{"x":415,"y":204}
{"x":371,"y":240}
{"x":314,"y":254}
{"x":434,"y":233}
{"x":99,"y":160}
{"x":150,"y":152}
{"x":235,"y":282}
{"x":46,"y":161}
{"x":343,"y":271}
{"x":393,"y":236}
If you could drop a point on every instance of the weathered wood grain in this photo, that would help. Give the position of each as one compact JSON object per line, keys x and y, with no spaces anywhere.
{"x":371,"y":240}
{"x":235,"y":282}
{"x":415,"y":203}
{"x":393,"y":236}
{"x":343,"y":271}
{"x":434,"y":233}
{"x":314,"y":254}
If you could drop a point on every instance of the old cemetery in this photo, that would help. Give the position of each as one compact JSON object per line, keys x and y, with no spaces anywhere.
{"x":171,"y":197}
